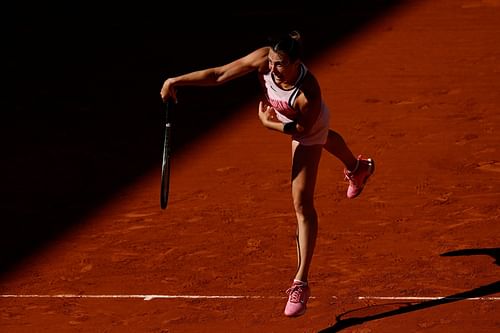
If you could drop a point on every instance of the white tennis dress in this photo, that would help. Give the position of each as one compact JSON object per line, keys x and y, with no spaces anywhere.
{"x":282,"y":100}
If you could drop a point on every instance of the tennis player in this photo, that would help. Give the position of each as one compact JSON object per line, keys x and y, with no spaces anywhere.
{"x":294,"y":106}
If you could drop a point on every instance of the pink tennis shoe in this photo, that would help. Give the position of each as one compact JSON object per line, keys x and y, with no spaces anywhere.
{"x":298,"y":295}
{"x":358,"y":177}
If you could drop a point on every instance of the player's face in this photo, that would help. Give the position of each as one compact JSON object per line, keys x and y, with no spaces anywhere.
{"x":282,"y":68}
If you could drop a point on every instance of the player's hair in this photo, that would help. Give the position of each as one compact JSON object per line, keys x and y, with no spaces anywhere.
{"x":289,"y":44}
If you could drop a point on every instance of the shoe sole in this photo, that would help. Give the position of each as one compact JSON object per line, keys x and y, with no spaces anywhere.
{"x":296,"y":314}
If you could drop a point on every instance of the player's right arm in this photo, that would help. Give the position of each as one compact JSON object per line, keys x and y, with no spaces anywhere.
{"x":255,"y":60}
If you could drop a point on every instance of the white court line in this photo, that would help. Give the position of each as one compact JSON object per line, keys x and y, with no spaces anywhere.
{"x":145,"y":297}
{"x":151,"y":297}
{"x":409,"y":298}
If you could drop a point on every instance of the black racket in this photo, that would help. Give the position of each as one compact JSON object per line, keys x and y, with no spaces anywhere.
{"x":167,"y":155}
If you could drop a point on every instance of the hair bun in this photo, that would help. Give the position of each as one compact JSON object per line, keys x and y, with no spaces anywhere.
{"x":295,"y":35}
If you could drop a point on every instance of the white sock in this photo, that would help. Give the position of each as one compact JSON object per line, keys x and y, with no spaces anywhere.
{"x":300,"y":282}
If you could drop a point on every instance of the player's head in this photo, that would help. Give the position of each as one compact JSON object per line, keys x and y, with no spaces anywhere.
{"x":289,"y":45}
{"x":284,"y":56}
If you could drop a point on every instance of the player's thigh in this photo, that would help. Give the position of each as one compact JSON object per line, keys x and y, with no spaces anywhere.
{"x":305,"y":162}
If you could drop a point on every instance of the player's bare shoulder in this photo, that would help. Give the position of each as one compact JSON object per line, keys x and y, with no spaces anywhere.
{"x":261,"y":59}
{"x":255,"y":60}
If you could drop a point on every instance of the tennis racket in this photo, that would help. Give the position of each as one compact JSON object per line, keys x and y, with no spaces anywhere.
{"x":167,"y":155}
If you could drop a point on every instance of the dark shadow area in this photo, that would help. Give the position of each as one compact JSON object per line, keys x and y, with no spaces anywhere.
{"x":492,"y":252}
{"x":347,"y":319}
{"x":87,"y":118}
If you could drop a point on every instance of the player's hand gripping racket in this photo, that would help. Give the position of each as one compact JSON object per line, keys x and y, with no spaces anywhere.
{"x":167,"y":155}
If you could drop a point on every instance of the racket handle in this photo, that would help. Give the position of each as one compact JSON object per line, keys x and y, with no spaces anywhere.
{"x":168,"y":106}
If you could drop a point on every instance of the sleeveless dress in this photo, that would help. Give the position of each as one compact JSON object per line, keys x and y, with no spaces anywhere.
{"x":282,"y":100}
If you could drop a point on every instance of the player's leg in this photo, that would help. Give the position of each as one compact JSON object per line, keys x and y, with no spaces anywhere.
{"x":305,"y":161}
{"x":336,"y":146}
{"x":357,"y":170}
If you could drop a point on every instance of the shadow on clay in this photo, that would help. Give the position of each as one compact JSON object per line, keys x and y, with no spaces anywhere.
{"x":373,"y":312}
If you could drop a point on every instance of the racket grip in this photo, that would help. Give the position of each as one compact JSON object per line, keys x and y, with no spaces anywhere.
{"x":168,"y":107}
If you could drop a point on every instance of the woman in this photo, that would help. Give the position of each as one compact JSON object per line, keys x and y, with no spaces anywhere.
{"x":293,"y":106}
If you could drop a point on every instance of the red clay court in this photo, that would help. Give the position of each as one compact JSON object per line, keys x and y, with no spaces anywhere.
{"x":86,"y":247}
